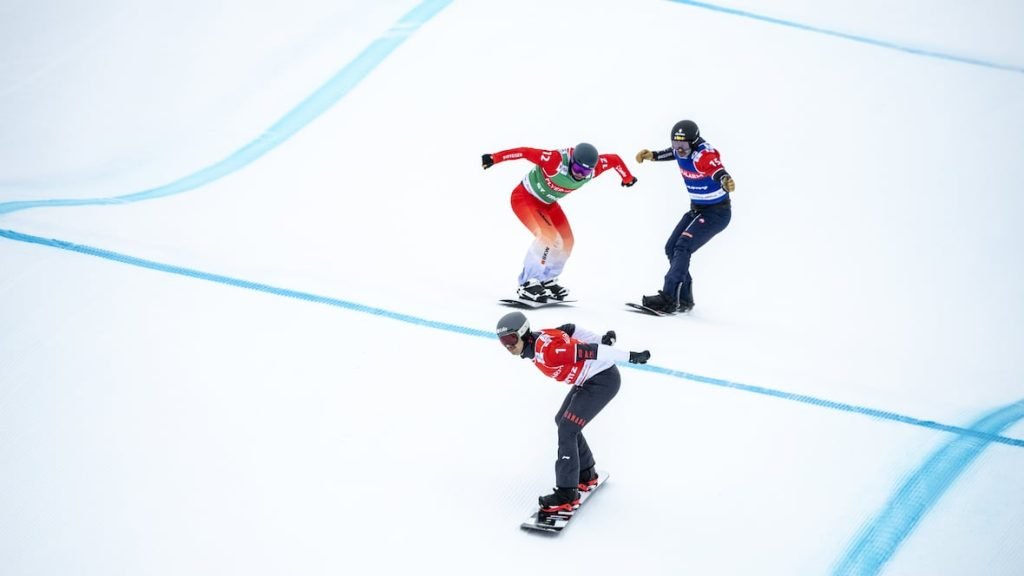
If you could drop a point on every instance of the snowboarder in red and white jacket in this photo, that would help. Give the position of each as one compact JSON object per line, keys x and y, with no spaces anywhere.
{"x":556,"y":174}
{"x":586,"y":361}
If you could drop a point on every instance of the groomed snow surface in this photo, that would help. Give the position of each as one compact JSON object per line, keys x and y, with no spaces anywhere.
{"x":273,"y":354}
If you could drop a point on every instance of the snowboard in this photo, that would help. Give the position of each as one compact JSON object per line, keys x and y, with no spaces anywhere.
{"x":555,"y":522}
{"x":645,"y":309}
{"x":521,"y":303}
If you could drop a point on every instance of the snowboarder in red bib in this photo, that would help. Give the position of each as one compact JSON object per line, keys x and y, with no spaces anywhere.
{"x":556,"y":174}
{"x":586,"y":362}
{"x":708,"y":186}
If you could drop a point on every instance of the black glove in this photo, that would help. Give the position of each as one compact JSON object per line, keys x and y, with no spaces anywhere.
{"x":487,"y":160}
{"x":639,"y":357}
{"x":628,"y":183}
{"x":609,"y":338}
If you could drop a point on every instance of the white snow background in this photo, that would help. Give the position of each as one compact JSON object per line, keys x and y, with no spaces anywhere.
{"x":249,"y":263}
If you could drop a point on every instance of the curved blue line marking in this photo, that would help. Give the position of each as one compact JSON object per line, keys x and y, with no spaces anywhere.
{"x":804,"y":399}
{"x":879,"y":539}
{"x":308,"y":110}
{"x":227,"y":280}
{"x":863,"y":39}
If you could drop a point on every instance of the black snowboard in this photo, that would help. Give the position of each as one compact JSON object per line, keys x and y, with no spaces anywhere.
{"x":645,"y":309}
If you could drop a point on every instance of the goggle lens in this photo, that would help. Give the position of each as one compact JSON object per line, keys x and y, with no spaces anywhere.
{"x":682,"y":147}
{"x":509,"y":340}
{"x":579,"y":170}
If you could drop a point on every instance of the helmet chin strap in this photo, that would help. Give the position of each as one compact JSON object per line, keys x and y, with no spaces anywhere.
{"x":528,"y":349}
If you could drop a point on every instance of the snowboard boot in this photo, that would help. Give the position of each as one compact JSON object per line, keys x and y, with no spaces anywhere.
{"x":660,"y":303}
{"x":654,"y":302}
{"x":562,"y":500}
{"x":666,"y":304}
{"x":533,"y":290}
{"x":555,"y":292}
{"x":588,"y":479}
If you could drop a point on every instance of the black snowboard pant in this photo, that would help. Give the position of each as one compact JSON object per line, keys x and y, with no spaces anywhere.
{"x":581,"y":405}
{"x":694,"y":230}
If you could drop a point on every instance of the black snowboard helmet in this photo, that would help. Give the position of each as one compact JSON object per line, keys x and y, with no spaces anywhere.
{"x":686,"y":131}
{"x":512,"y":328}
{"x":685,"y":135}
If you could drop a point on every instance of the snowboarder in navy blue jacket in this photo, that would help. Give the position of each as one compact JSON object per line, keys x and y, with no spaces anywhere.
{"x":708,"y":186}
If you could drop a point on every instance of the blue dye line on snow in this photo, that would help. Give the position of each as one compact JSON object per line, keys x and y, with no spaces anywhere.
{"x":227,"y":280}
{"x":804,"y":399}
{"x":298,"y":118}
{"x":855,"y":38}
{"x":170,"y":268}
{"x":355,"y":71}
{"x":878,"y":539}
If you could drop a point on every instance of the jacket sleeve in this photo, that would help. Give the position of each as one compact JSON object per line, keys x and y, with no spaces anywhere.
{"x":612,"y":162}
{"x":709,"y":163}
{"x":549,"y":160}
{"x":663,"y":155}
{"x":584,"y":335}
{"x":587,"y":351}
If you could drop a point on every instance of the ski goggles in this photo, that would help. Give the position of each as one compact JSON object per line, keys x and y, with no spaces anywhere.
{"x":509,"y":339}
{"x":682,"y":147}
{"x":580,"y":171}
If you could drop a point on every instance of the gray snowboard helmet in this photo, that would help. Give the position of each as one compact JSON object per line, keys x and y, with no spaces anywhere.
{"x":512,"y":328}
{"x":585,"y":155}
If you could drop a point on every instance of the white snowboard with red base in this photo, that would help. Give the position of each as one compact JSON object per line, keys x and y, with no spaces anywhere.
{"x":556,"y":521}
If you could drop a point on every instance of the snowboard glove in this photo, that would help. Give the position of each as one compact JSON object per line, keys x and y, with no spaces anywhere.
{"x":644,"y":154}
{"x":487,"y":160}
{"x":639,"y":357}
{"x":728,"y":184}
{"x":609,"y":338}
{"x":628,"y":183}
